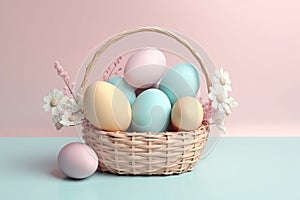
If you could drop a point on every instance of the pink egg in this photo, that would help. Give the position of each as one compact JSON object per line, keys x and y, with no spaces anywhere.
{"x":145,"y":68}
{"x":77,"y":160}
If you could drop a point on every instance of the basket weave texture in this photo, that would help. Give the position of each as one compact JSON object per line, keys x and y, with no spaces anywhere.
{"x":146,"y":153}
{"x":131,"y":153}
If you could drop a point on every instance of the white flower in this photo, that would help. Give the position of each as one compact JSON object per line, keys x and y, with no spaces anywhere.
{"x":219,"y":92}
{"x":67,"y":119}
{"x":221,"y":101}
{"x":219,"y":119}
{"x":73,"y":113}
{"x":222,"y":78}
{"x":218,"y":95}
{"x":74,"y":105}
{"x":66,"y":111}
{"x":55,"y":102}
{"x":71,"y":119}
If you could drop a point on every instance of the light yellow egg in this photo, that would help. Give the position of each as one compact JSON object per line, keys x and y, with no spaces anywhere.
{"x":106,"y":107}
{"x":187,"y":114}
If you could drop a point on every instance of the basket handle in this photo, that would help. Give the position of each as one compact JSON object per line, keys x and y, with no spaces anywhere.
{"x":118,"y":37}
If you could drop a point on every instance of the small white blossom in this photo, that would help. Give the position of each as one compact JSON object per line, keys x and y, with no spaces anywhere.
{"x":71,"y":119}
{"x":67,"y":119}
{"x":66,"y":111}
{"x":74,"y":106}
{"x":55,"y":102}
{"x":218,"y":95}
{"x":221,"y":101}
{"x":73,"y":114}
{"x":219,"y":92}
{"x":222,"y":78}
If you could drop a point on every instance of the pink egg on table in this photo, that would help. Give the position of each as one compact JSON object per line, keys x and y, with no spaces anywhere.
{"x":77,"y":160}
{"x":145,"y":68}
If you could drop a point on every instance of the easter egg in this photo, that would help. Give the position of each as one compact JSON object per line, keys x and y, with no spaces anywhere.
{"x":151,"y":112}
{"x":180,"y":81}
{"x":106,"y":107}
{"x":187,"y":114}
{"x":77,"y":160}
{"x":120,"y":83}
{"x":145,"y":68}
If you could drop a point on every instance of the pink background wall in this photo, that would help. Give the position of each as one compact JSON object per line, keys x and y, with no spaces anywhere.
{"x":258,"y":42}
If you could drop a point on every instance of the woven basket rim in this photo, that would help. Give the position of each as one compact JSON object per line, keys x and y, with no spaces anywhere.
{"x":205,"y":124}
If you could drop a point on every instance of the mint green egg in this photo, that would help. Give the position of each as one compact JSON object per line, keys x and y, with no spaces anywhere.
{"x":151,"y":112}
{"x":180,"y":81}
{"x":128,"y":90}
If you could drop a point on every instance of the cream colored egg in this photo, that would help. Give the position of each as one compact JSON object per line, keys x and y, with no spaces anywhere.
{"x":106,"y":107}
{"x":187,"y":114}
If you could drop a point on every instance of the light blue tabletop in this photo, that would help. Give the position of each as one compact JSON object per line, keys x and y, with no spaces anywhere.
{"x":238,"y":168}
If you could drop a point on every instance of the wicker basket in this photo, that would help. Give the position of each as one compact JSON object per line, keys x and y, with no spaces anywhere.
{"x":131,"y":153}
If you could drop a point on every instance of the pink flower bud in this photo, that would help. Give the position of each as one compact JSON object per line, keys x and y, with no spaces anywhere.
{"x":60,"y":69}
{"x":67,"y":78}
{"x":63,"y":74}
{"x":56,"y":63}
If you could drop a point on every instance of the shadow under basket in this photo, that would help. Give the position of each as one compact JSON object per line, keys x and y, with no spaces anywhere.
{"x":131,"y":153}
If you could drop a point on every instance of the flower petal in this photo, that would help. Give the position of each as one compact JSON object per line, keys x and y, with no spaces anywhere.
{"x":215,"y":80}
{"x":215,"y":105}
{"x":220,"y":108}
{"x":54,"y":92}
{"x":47,"y":99}
{"x":221,"y":71}
{"x":226,"y":107}
{"x":226,"y":74}
{"x":46,"y":107}
{"x":221,"y":128}
{"x":228,"y":88}
{"x":211,"y":96}
{"x":217,"y":72}
{"x":53,"y":111}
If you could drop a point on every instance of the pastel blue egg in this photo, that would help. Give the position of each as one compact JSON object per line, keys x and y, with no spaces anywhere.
{"x":151,"y":112}
{"x":128,"y":90}
{"x":180,"y":81}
